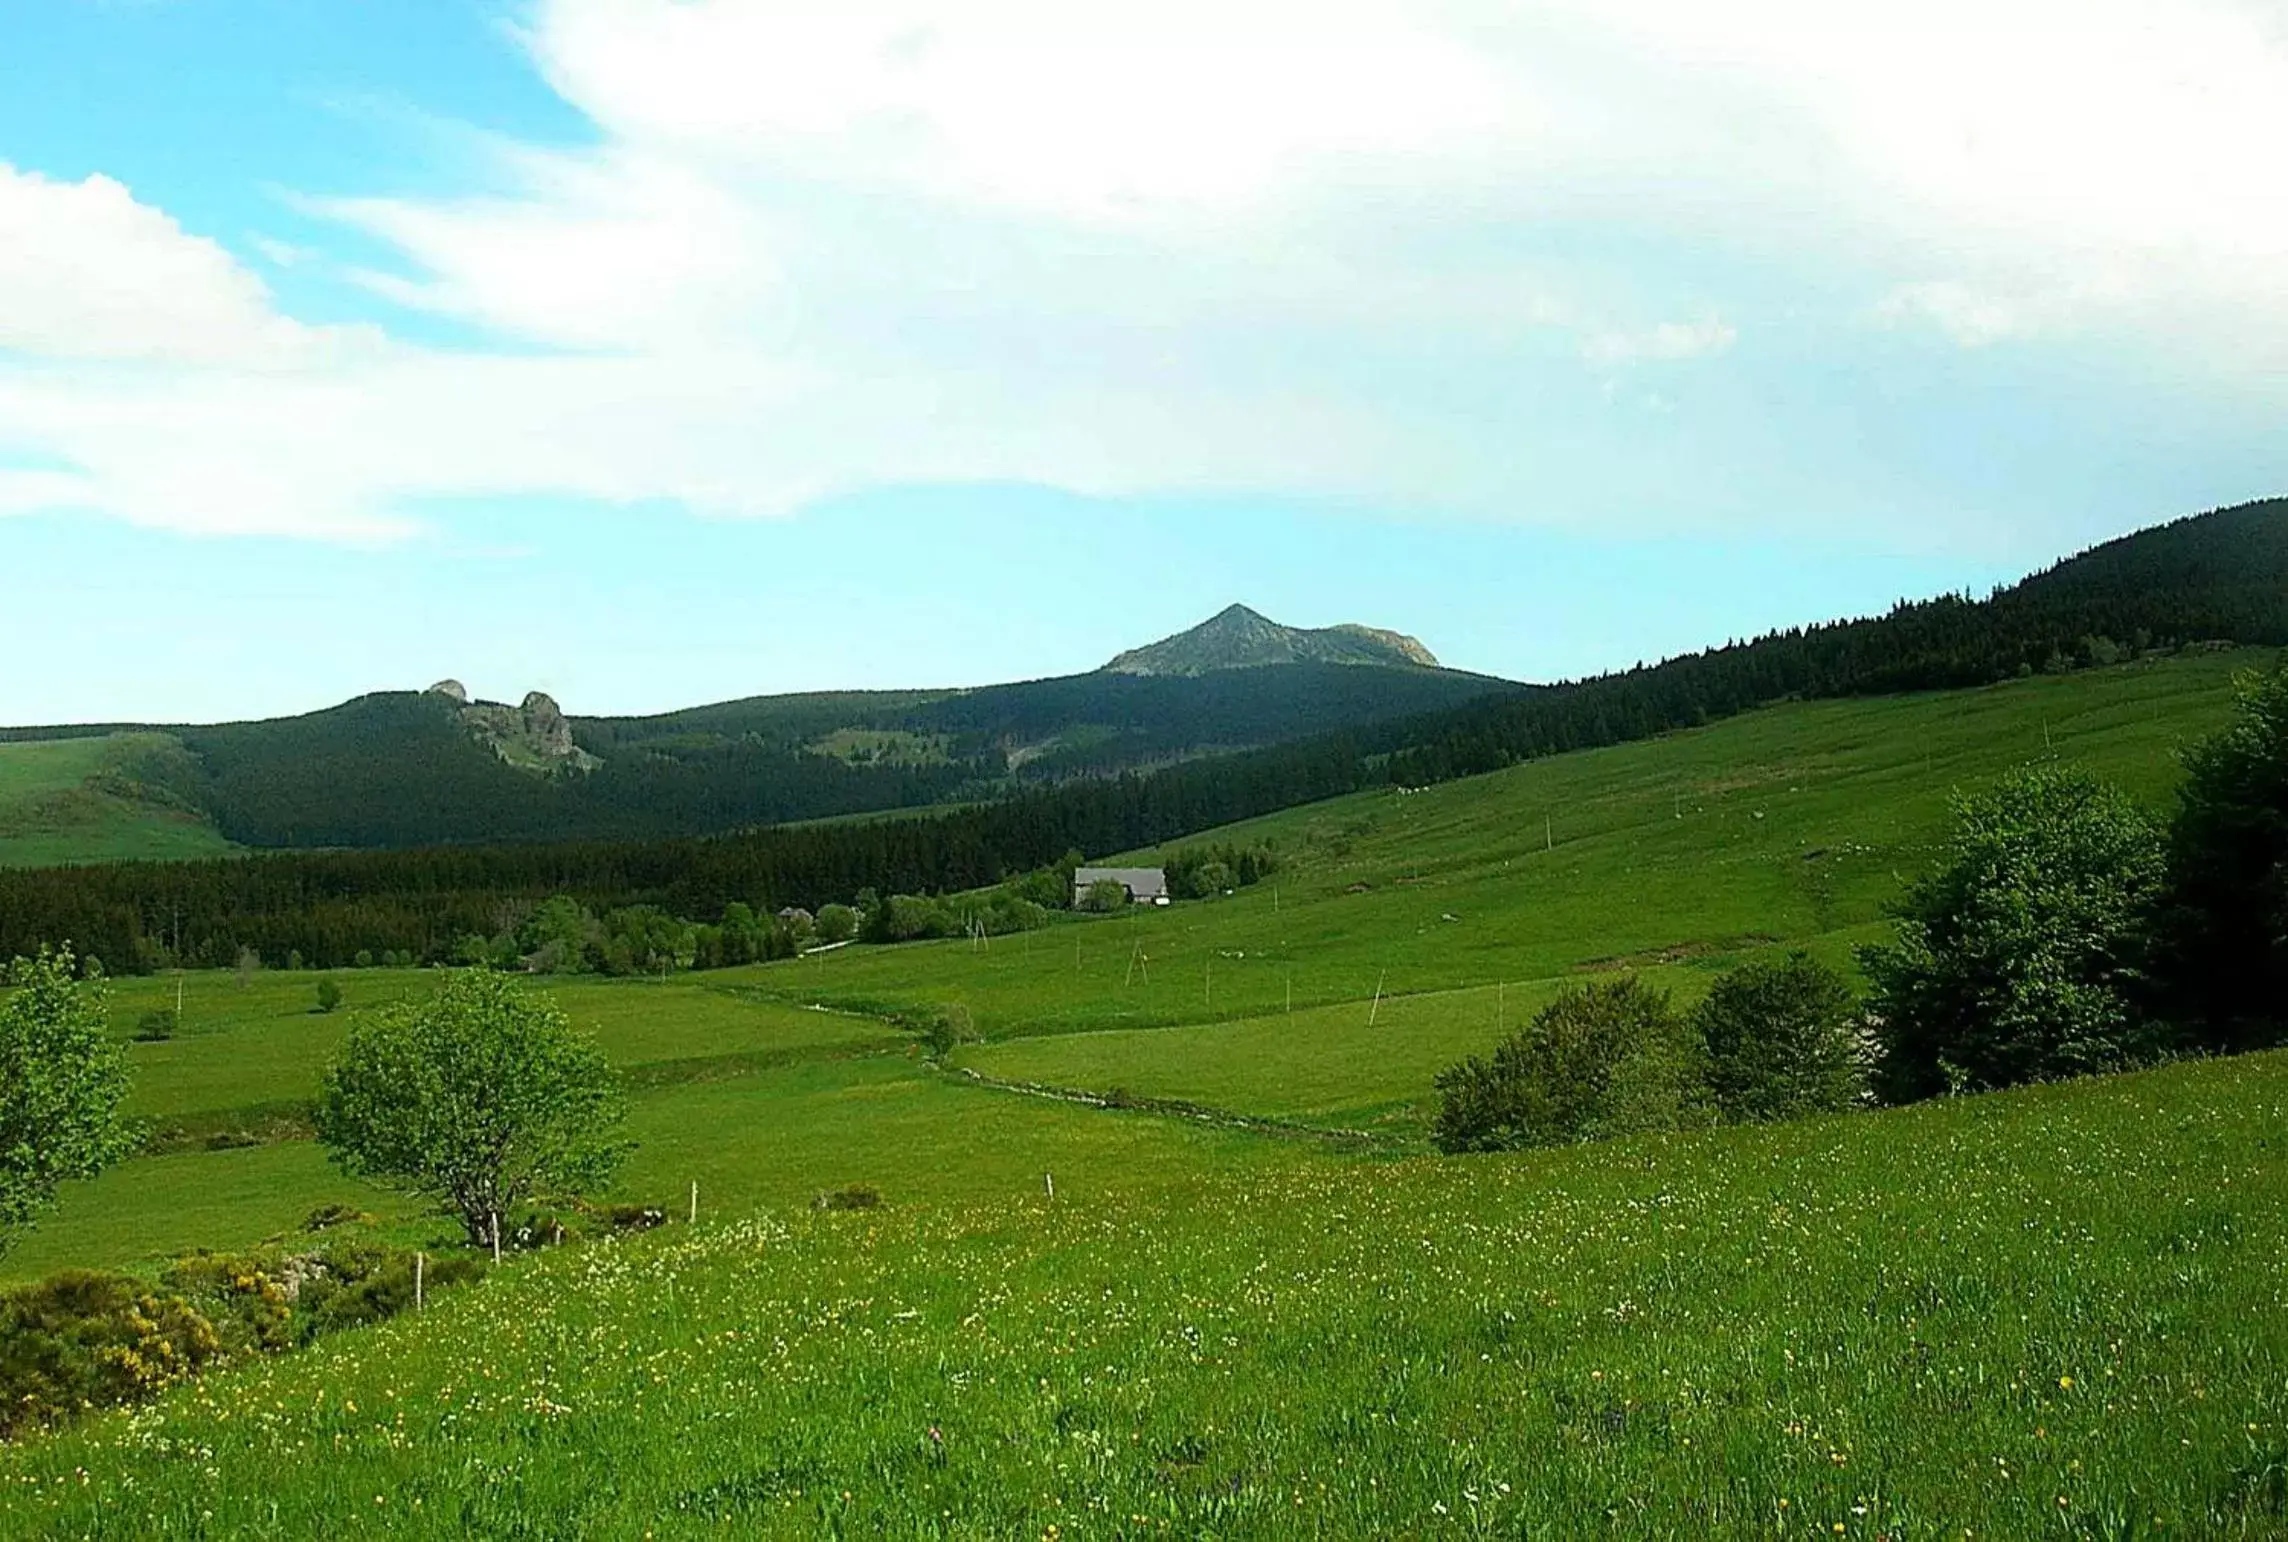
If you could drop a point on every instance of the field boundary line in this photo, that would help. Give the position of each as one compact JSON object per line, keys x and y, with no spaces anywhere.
{"x":1178,"y":1108}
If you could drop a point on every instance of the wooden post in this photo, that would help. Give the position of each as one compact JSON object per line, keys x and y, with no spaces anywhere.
{"x":695,"y":1201}
{"x":420,"y":1267}
{"x":1548,"y":834}
{"x":1376,"y":1010}
{"x":496,"y":1236}
{"x":1049,"y":1182}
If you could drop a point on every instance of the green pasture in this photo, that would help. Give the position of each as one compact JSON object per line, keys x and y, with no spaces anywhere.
{"x":1797,"y":826}
{"x":2052,"y":1313}
{"x":61,"y":801}
{"x":1404,"y":932}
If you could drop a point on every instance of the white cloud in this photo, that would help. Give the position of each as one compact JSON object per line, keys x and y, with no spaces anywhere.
{"x":1666,"y":343}
{"x":86,"y":272}
{"x":1311,"y":248}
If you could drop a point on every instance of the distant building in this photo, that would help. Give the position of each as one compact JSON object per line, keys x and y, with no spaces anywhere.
{"x":1145,"y":885}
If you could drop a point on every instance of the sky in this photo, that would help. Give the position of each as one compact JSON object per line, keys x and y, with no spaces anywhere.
{"x":651,"y":352}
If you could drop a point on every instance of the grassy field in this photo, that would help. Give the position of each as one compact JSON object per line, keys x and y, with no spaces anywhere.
{"x":1469,"y":904}
{"x":1465,"y":906}
{"x":2047,"y":1313}
{"x":61,"y":800}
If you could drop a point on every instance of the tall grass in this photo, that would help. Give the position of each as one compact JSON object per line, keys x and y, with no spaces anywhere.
{"x":2050,"y":1313}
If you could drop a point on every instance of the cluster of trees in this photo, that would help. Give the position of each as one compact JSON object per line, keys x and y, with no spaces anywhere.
{"x":1773,"y":1040}
{"x":1205,"y":871}
{"x":482,"y":1097}
{"x":2065,"y":932}
{"x":562,"y":936}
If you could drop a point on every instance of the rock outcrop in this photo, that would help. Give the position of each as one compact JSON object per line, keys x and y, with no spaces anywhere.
{"x":532,"y":736}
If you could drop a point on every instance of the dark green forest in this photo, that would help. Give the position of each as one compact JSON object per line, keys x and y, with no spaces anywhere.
{"x":2215,"y":578}
{"x":399,"y":769}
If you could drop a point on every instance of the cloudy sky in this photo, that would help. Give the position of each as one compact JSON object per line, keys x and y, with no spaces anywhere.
{"x":654,"y":351}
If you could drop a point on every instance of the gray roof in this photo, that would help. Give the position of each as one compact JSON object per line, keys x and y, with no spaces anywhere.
{"x":1143,"y":881}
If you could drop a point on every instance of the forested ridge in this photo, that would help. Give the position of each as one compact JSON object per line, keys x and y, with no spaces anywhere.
{"x":402,"y":769}
{"x":2216,"y":578}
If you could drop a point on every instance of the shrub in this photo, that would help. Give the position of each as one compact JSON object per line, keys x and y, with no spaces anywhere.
{"x":1105,"y":896}
{"x":81,"y":1339}
{"x":155,"y":1026}
{"x":2014,"y":960}
{"x":1605,"y":1059}
{"x":861,"y":1196}
{"x":633,"y":1217}
{"x":329,"y":996}
{"x":949,"y":1028}
{"x":1782,"y":1040}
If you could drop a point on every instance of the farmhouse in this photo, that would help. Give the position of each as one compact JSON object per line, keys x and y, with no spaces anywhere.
{"x":1145,"y":885}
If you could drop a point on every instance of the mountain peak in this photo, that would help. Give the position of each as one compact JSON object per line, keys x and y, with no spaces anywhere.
{"x":1238,"y":637}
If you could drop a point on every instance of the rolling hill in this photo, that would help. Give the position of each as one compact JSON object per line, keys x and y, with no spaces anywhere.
{"x":1264,"y":1310}
{"x":403,"y":768}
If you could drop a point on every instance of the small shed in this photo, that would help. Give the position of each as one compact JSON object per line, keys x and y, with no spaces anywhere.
{"x":1145,"y":885}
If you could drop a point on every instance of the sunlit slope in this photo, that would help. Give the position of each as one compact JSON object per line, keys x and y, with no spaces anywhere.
{"x":2046,"y":1313}
{"x":1546,"y":870}
{"x":84,"y":800}
{"x":1478,"y":898}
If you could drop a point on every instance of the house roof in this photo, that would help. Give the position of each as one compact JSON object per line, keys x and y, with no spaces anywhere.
{"x":1137,"y":880}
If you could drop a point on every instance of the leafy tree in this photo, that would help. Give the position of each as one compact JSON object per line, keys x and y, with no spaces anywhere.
{"x":62,"y":1082}
{"x":483,"y":1096}
{"x":329,"y":996}
{"x":1782,"y":1040}
{"x":2223,"y":960}
{"x":1607,"y":1059}
{"x":2014,"y":961}
{"x":557,"y":936}
{"x":156,"y":1026}
{"x":837,"y":923}
{"x":1105,"y":896}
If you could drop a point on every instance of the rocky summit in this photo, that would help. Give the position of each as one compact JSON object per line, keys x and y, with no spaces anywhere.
{"x":1240,"y":638}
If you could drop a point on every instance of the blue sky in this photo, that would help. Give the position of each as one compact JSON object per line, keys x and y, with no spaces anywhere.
{"x":656,"y":351}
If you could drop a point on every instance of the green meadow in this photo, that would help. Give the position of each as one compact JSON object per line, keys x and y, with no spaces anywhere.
{"x":1272,"y":1313}
{"x":70,"y":800}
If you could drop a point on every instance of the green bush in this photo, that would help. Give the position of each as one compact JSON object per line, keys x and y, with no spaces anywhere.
{"x":2015,"y":960}
{"x":156,"y":1026}
{"x":82,"y":1340}
{"x":860,"y":1196}
{"x":947,"y":1030}
{"x":329,"y":996}
{"x":1603,"y":1060}
{"x":1782,"y":1040}
{"x":1105,"y":896}
{"x":837,"y":923}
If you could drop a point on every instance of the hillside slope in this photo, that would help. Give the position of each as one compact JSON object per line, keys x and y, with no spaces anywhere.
{"x":398,"y":769}
{"x":2030,"y":1314}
